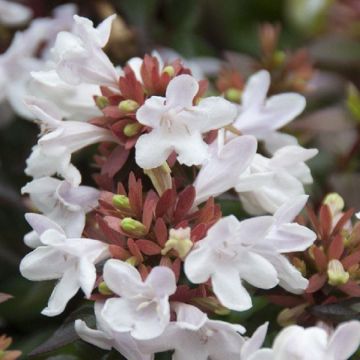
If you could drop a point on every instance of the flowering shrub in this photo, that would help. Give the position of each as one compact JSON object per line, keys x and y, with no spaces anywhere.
{"x":149,"y":244}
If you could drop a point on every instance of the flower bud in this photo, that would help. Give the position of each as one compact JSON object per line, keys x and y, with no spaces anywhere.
{"x":335,"y":203}
{"x":121,"y":202}
{"x":133,"y":261}
{"x":211,"y":304}
{"x":133,"y":227}
{"x":300,"y":265}
{"x":102,"y":102}
{"x":128,"y":106}
{"x":279,"y":57}
{"x":336,"y":273}
{"x":169,"y":70}
{"x":353,"y":102}
{"x":103,"y":289}
{"x":289,"y":316}
{"x":132,"y":129}
{"x":233,"y":95}
{"x":180,"y":241}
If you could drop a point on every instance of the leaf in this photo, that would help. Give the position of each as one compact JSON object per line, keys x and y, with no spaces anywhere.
{"x":338,"y":312}
{"x":66,"y":334}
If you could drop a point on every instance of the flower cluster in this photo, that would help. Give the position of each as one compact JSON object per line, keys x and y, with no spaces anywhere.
{"x":148,"y":244}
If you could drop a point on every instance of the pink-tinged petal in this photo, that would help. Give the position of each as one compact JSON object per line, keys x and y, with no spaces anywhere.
{"x":41,"y":223}
{"x":254,"y":230}
{"x":95,"y":337}
{"x":229,"y":290}
{"x":255,"y":342}
{"x":104,"y":29}
{"x":291,"y":237}
{"x":262,"y":354}
{"x":149,"y":156}
{"x":283,"y":108}
{"x":257,"y":271}
{"x":198,"y":265}
{"x":289,"y":210}
{"x":292,"y":154}
{"x":290,"y":278}
{"x":344,"y":341}
{"x":122,"y":278}
{"x":64,"y":290}
{"x":13,"y":14}
{"x":162,"y":280}
{"x":46,"y":112}
{"x":87,"y":276}
{"x":191,"y":149}
{"x":222,"y":171}
{"x":211,"y":113}
{"x":181,"y":91}
{"x":277,"y":140}
{"x":43,"y":263}
{"x":151,"y":112}
{"x":255,"y":91}
{"x":188,"y":316}
{"x":253,"y":182}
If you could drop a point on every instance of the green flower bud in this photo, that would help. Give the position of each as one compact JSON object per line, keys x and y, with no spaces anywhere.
{"x":133,"y":227}
{"x":132,"y":261}
{"x":102,"y":102}
{"x":335,"y":202}
{"x":132,"y":129}
{"x":169,"y":70}
{"x":279,"y":57}
{"x":353,"y":102}
{"x":121,"y":202}
{"x":336,"y":273}
{"x":103,"y":289}
{"x":180,"y":241}
{"x":233,"y":95}
{"x":128,"y":106}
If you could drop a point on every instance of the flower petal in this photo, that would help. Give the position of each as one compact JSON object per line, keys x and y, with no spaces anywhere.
{"x":181,"y":91}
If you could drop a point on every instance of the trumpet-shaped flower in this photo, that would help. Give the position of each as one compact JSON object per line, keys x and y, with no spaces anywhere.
{"x":250,"y":250}
{"x":269,"y":183}
{"x":106,"y":338}
{"x":178,"y":126}
{"x":71,"y":260}
{"x":295,"y":342}
{"x":61,"y":202}
{"x":60,"y":139}
{"x":222,"y":170}
{"x":259,"y":116}
{"x":194,"y":336}
{"x":78,"y":55}
{"x":143,"y":308}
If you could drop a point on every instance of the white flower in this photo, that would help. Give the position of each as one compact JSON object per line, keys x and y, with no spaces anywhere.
{"x":178,"y":126}
{"x":106,"y":338}
{"x":222,"y":170}
{"x":269,"y":183}
{"x":61,"y":202}
{"x":22,"y":56}
{"x":59,"y":140}
{"x":250,"y":250}
{"x":143,"y":309}
{"x":78,"y":55}
{"x":13,"y":14}
{"x":76,"y":102}
{"x":259,"y":116}
{"x":41,"y":164}
{"x":194,"y":336}
{"x":295,"y":342}
{"x":251,"y":350}
{"x":69,"y":259}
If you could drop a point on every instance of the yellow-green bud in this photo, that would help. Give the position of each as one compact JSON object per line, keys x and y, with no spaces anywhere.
{"x":103,"y":289}
{"x":121,"y":202}
{"x":289,"y":316}
{"x":133,"y":227}
{"x":132,"y":129}
{"x":169,"y":70}
{"x":335,"y":203}
{"x":353,"y":101}
{"x":128,"y":106}
{"x":212,"y":304}
{"x":279,"y":57}
{"x":233,"y":95}
{"x":336,"y":273}
{"x":132,"y":261}
{"x":180,"y":241}
{"x":102,"y":102}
